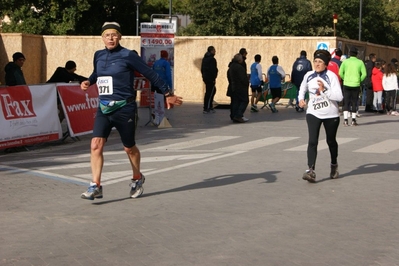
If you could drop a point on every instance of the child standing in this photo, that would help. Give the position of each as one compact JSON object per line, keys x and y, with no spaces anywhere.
{"x":376,"y":80}
{"x":390,"y":85}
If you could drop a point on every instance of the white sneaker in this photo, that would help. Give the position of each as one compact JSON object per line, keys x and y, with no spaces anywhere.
{"x":245,"y":119}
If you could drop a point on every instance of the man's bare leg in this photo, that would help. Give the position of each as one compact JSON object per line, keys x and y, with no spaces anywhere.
{"x":134,"y":156}
{"x":97,"y":159}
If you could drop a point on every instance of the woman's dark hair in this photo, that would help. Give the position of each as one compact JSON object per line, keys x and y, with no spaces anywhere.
{"x":390,"y":69}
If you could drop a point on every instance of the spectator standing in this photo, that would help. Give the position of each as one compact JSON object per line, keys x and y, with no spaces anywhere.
{"x":275,"y":75}
{"x":65,"y":74}
{"x":367,"y":82}
{"x":353,"y":72}
{"x":113,"y":72}
{"x":324,"y":94}
{"x":256,"y":81}
{"x":337,"y":57}
{"x":300,"y":67}
{"x":390,"y":85}
{"x":163,"y":69}
{"x":239,"y":83}
{"x":14,"y":75}
{"x":376,"y":81}
{"x":244,"y":54}
{"x":209,"y":72}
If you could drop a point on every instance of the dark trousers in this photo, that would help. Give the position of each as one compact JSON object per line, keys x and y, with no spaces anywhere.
{"x":390,"y":100}
{"x":369,"y":100}
{"x":239,"y":103}
{"x":210,"y":91}
{"x":331,"y":128}
{"x":351,"y":99}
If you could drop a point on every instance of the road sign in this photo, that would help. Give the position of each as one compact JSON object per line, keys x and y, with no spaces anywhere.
{"x":323,"y":46}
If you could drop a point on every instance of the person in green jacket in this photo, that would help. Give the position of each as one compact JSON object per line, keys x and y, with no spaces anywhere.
{"x":352,"y":72}
{"x":14,"y":75}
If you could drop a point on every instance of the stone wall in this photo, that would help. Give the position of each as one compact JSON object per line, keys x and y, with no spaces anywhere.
{"x":45,"y":53}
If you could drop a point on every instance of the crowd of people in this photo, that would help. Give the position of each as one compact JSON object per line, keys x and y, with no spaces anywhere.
{"x":334,"y":80}
{"x":370,"y":83}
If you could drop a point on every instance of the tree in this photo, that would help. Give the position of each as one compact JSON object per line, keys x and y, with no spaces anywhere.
{"x":78,"y":17}
{"x":295,"y":18}
{"x":42,"y":17}
{"x":211,"y":17}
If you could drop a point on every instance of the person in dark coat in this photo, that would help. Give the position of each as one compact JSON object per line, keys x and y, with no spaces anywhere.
{"x":301,"y":66}
{"x":367,"y":82}
{"x":14,"y":75}
{"x":239,"y":83}
{"x":209,"y":72}
{"x":65,"y":74}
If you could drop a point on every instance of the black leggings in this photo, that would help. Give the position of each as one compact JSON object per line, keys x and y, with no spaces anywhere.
{"x":390,"y":100}
{"x":331,"y":128}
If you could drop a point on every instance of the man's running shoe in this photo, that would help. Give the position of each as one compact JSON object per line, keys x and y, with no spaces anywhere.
{"x":136,"y":187}
{"x":354,"y":123}
{"x":254,"y":108}
{"x":346,"y":123}
{"x":93,"y":192}
{"x":309,"y":176}
{"x":273,"y":108}
{"x":334,"y":171}
{"x":245,"y":119}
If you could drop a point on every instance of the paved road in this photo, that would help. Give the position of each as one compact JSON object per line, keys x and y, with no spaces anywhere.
{"x":216,"y":193}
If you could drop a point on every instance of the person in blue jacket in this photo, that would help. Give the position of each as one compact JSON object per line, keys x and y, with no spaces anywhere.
{"x":301,"y":66}
{"x":256,"y":80}
{"x":162,"y":67}
{"x":275,"y":75}
{"x":113,"y":72}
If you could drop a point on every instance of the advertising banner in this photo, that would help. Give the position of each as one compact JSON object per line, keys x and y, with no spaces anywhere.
{"x":157,"y":38}
{"x":79,"y":106}
{"x":28,"y":115}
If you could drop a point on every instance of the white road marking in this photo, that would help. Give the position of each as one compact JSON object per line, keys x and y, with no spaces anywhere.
{"x":192,"y":143}
{"x":322,"y":144}
{"x":385,"y":146}
{"x":259,"y":143}
{"x":107,"y":163}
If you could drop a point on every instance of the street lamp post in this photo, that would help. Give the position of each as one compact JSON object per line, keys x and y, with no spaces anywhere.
{"x":137,"y":15}
{"x":170,"y":11}
{"x":335,"y":20}
{"x":360,"y":20}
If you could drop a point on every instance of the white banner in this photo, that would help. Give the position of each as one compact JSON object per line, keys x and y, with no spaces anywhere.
{"x":28,"y":115}
{"x":159,"y":108}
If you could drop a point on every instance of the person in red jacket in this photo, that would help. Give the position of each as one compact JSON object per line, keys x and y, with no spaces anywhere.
{"x":376,"y":80}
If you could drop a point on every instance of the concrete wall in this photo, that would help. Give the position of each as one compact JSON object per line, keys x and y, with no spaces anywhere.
{"x":45,"y":53}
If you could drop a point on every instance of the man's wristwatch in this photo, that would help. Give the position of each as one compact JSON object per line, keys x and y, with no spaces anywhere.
{"x":168,"y":93}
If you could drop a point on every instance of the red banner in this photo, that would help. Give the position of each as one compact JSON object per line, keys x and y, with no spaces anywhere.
{"x":79,"y":106}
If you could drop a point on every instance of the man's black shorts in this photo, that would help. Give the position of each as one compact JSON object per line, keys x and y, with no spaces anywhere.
{"x":256,"y":88}
{"x":276,"y":92}
{"x":123,"y":119}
